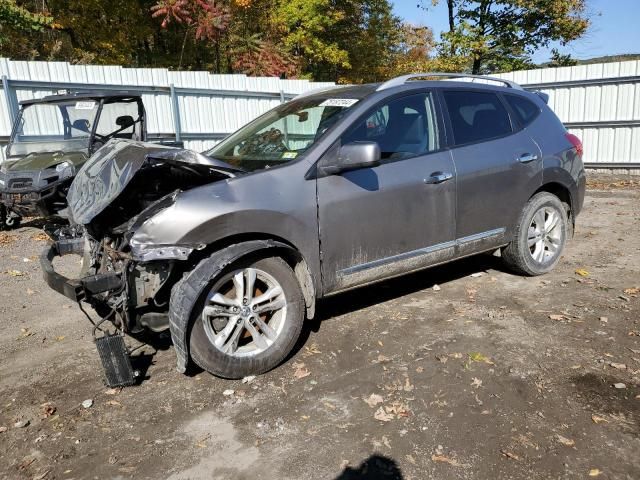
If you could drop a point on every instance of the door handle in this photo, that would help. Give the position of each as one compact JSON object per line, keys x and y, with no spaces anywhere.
{"x":527,"y":157}
{"x":438,"y":177}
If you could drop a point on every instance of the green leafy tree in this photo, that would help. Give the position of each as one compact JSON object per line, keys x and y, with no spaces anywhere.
{"x":16,"y":21}
{"x":496,"y":35}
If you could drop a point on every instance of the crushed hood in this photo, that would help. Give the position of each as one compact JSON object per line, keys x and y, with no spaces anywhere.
{"x":107,"y":173}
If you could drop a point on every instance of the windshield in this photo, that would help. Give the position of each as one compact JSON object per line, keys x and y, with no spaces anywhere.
{"x":283,"y":134}
{"x":64,"y":126}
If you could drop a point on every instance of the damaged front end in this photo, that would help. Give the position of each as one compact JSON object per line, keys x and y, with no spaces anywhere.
{"x":127,"y":280}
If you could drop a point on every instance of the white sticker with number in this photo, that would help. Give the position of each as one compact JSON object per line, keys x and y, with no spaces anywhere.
{"x":339,"y":102}
{"x":85,"y":105}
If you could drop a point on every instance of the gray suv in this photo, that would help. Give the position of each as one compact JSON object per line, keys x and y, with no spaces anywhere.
{"x":331,"y":191}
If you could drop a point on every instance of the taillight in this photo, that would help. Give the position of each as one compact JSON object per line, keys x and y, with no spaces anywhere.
{"x":576,"y":142}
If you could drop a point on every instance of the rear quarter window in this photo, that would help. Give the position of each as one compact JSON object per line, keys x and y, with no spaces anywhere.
{"x":476,"y":116}
{"x":525,"y":110}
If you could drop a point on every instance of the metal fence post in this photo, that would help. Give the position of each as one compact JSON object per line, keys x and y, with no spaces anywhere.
{"x":11,"y":99}
{"x":175,"y":109}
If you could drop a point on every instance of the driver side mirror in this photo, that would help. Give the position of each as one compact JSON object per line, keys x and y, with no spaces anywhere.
{"x":353,"y":156}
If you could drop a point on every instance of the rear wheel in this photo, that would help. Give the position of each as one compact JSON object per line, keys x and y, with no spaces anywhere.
{"x":249,"y":319}
{"x":540,"y":236}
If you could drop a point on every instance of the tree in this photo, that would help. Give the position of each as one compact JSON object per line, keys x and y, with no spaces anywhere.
{"x":502,"y":34}
{"x":15,"y":20}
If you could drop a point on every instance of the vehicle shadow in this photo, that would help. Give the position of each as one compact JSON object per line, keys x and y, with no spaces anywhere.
{"x":378,"y":293}
{"x":376,"y":467}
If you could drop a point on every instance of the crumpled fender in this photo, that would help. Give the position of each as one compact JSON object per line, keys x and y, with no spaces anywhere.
{"x":186,"y":291}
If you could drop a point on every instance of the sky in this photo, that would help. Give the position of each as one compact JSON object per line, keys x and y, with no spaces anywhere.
{"x":614,"y":28}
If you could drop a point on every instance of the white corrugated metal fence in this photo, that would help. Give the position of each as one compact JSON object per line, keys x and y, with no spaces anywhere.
{"x":197,"y":108}
{"x":600,"y":103}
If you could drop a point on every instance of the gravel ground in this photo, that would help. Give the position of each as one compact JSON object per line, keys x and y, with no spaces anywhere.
{"x":489,"y":375}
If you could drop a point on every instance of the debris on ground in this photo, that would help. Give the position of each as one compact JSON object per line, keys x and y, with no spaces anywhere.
{"x":87,"y":403}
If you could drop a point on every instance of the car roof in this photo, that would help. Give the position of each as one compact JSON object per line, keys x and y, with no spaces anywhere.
{"x":85,"y":95}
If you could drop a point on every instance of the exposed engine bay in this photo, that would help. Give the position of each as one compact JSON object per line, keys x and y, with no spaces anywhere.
{"x":131,"y":181}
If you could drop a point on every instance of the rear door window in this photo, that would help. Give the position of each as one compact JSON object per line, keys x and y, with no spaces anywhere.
{"x":525,"y":110}
{"x":476,"y":116}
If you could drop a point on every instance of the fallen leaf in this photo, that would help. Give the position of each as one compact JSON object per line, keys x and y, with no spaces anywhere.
{"x":114,"y":403}
{"x":407,"y":385}
{"x":582,"y":272}
{"x":26,"y":332}
{"x":249,"y":379}
{"x":594,"y":472}
{"x":311,"y":350}
{"x":419,"y":369}
{"x":397,"y":408}
{"x":479,"y":357}
{"x":15,"y":273}
{"x":567,"y":442}
{"x":510,"y":455}
{"x":476,"y":382}
{"x":47,"y":409}
{"x":382,"y":415}
{"x":21,"y":424}
{"x":373,"y":400}
{"x":59,"y":338}
{"x":444,"y":459}
{"x":557,"y":317}
{"x":300,"y":371}
{"x":598,"y":419}
{"x":112,"y":391}
{"x":632,"y":291}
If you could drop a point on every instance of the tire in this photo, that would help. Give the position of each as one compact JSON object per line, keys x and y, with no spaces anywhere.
{"x":548,"y":241}
{"x":248,"y":358}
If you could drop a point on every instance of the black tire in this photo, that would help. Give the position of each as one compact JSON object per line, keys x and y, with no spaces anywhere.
{"x":518,"y":254}
{"x":207,"y":356}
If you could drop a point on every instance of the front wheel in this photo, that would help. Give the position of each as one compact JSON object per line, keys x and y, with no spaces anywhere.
{"x":540,"y":236}
{"x":249,"y":319}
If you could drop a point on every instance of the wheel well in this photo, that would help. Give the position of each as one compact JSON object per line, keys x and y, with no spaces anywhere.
{"x":289,"y":253}
{"x":559,"y":191}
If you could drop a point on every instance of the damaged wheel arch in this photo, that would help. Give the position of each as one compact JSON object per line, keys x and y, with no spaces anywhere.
{"x":187,"y":291}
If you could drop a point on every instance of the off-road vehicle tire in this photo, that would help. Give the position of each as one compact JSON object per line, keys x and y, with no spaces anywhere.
{"x":529,"y":252}
{"x":213,"y":359}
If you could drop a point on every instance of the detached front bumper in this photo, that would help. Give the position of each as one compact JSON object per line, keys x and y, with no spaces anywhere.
{"x":75,"y":289}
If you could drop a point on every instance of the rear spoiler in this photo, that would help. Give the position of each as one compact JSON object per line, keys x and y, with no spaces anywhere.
{"x":542,"y":95}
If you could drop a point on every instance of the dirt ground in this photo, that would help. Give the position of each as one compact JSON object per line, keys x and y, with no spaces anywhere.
{"x":486,"y":375}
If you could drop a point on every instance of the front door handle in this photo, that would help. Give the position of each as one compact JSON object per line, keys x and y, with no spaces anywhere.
{"x":438,"y":177}
{"x":527,"y":157}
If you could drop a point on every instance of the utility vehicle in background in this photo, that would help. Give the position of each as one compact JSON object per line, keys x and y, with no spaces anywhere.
{"x":52,"y":138}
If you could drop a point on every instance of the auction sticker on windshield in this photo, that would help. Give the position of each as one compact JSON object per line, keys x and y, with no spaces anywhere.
{"x":85,"y":105}
{"x":339,"y":102}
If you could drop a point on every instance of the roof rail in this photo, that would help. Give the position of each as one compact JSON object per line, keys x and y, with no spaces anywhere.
{"x":396,"y":82}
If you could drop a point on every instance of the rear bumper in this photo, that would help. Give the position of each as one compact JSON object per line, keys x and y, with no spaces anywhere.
{"x":75,"y":289}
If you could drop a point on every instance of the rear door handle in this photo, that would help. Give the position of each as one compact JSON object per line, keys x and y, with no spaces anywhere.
{"x":438,"y":177}
{"x":527,"y":157}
